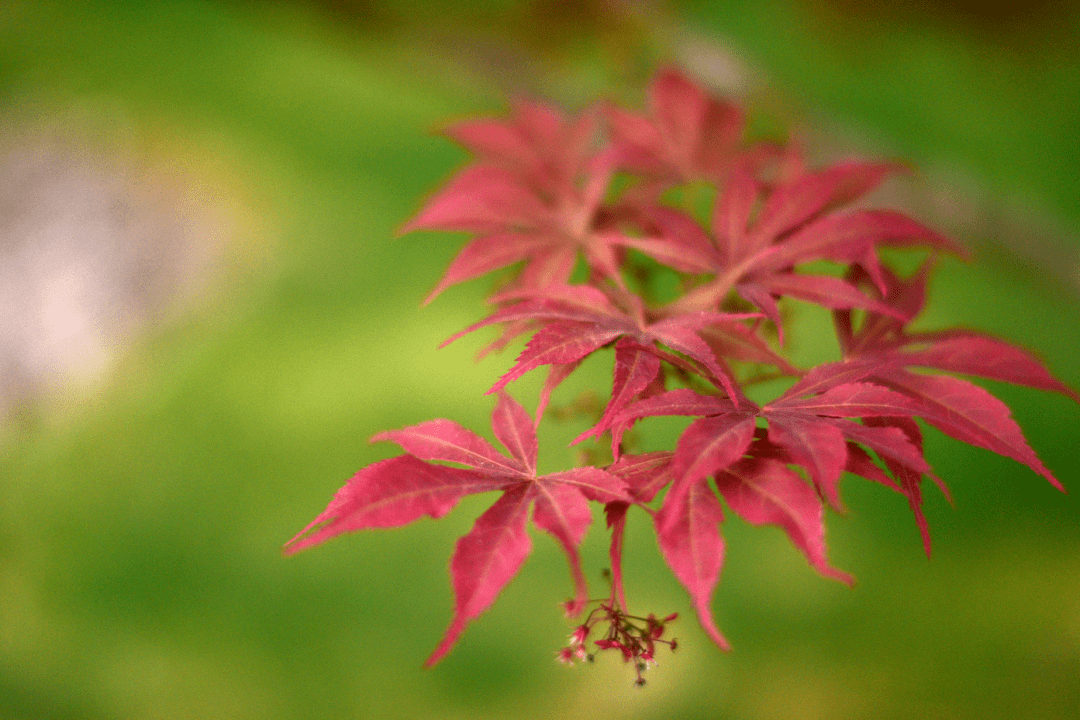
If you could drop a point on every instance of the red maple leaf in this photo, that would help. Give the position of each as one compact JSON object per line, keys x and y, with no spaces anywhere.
{"x":578,"y":320}
{"x":751,"y":474}
{"x":810,"y":426}
{"x":792,"y":227}
{"x":533,"y":196}
{"x":885,"y":340}
{"x":400,"y":490}
{"x":882,"y":350}
{"x":689,"y":136}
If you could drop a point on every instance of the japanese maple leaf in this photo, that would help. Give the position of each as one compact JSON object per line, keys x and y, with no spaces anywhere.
{"x":811,"y":425}
{"x":877,"y":388}
{"x":881,"y":351}
{"x":752,"y":472}
{"x":689,"y":136}
{"x":537,"y":143}
{"x":884,"y":339}
{"x":791,"y":227}
{"x":400,"y":490}
{"x":806,"y":429}
{"x":578,"y":320}
{"x":761,"y":490}
{"x":809,"y":428}
{"x":533,"y":196}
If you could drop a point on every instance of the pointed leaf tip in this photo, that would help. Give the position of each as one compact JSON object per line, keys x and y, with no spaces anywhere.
{"x":391,"y":493}
{"x":485,"y":561}
{"x":688,"y":530}
{"x":764,"y":491}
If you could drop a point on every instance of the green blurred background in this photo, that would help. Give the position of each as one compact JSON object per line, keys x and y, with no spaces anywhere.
{"x":208,"y":314}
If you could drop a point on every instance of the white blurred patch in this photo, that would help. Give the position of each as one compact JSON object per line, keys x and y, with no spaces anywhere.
{"x":94,"y":245}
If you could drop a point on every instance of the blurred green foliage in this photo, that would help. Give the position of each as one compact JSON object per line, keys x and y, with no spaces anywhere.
{"x":141,"y":522}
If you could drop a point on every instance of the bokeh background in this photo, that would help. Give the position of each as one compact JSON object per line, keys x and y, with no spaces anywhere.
{"x":205,"y":313}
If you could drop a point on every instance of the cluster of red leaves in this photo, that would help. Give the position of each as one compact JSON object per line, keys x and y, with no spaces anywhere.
{"x":542,"y":195}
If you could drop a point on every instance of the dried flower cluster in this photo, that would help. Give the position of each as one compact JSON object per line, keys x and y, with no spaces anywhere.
{"x":602,"y":214}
